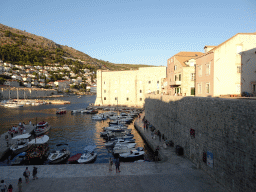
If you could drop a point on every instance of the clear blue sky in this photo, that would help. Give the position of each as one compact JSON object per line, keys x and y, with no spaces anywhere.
{"x":132,"y":31}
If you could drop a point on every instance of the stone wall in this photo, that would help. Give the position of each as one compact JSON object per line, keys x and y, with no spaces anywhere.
{"x":28,"y":93}
{"x":224,"y":127}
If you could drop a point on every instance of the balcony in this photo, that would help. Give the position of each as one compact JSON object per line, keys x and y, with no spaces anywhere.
{"x":175,"y":83}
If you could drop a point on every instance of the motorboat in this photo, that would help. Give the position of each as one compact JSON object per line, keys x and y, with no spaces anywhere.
{"x":13,"y":105}
{"x":61,"y":111}
{"x":129,"y":145}
{"x":39,"y":140}
{"x":19,"y":159}
{"x":74,"y":158}
{"x":99,"y":117}
{"x":76,"y":111}
{"x":21,"y":143}
{"x":84,"y":111}
{"x":123,"y":149}
{"x":132,"y":155}
{"x":89,"y":155}
{"x":59,"y":155}
{"x":42,"y":128}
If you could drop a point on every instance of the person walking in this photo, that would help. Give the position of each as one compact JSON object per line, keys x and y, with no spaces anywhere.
{"x":10,"y":188}
{"x":20,"y":185}
{"x":3,"y":186}
{"x":110,"y":164}
{"x":34,"y":173}
{"x":26,"y":174}
{"x":117,"y":163}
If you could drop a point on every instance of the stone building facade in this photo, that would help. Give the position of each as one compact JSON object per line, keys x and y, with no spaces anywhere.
{"x":128,"y":87}
{"x":218,"y":71}
{"x":221,"y":130}
{"x":181,"y":73}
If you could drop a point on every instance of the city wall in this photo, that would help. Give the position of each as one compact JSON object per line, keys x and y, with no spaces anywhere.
{"x":27,"y":93}
{"x":225,"y":128}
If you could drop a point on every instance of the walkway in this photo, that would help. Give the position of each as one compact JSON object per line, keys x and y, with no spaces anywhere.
{"x":177,"y":174}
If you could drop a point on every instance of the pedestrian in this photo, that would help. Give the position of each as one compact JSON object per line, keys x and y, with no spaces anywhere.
{"x":10,"y":188}
{"x":117,"y":163}
{"x":110,"y":164}
{"x":30,"y":123}
{"x":20,"y":185}
{"x":26,"y":174}
{"x":156,"y":155}
{"x":3,"y":186}
{"x":35,"y":173}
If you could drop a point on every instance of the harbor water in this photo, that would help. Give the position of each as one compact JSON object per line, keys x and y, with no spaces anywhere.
{"x":77,"y":130}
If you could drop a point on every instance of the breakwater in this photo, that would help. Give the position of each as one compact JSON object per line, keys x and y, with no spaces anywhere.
{"x":218,"y":135}
{"x":25,"y":93}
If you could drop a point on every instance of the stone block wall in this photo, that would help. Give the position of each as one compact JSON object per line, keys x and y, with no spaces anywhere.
{"x":224,"y":127}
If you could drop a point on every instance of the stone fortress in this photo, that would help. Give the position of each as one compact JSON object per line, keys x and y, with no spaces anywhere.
{"x":128,"y":87}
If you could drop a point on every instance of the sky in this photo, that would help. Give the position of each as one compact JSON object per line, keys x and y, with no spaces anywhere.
{"x":132,"y":31}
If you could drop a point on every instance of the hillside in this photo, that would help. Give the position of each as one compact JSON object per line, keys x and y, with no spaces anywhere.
{"x":21,"y":47}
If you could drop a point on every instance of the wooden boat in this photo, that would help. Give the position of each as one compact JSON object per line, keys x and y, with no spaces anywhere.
{"x":74,"y":158}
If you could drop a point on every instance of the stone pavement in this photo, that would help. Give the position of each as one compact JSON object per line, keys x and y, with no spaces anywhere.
{"x":174,"y":174}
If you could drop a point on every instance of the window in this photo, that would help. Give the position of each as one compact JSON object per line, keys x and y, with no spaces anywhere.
{"x":104,"y":82}
{"x":238,"y":69}
{"x":253,"y":88}
{"x":105,"y":91}
{"x":179,"y":77}
{"x":157,"y":82}
{"x":116,"y":98}
{"x":140,"y":91}
{"x":175,"y":67}
{"x":192,"y":90}
{"x":105,"y":98}
{"x":200,"y":70}
{"x":149,"y":82}
{"x":171,"y":60}
{"x":127,"y":99}
{"x":157,"y":92}
{"x":192,"y":76}
{"x":207,"y":87}
{"x":140,"y":99}
{"x":176,"y":78}
{"x":208,"y":69}
{"x":199,"y":88}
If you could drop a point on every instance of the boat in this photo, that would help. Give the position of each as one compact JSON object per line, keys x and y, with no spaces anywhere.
{"x":61,"y":111}
{"x":39,"y":140}
{"x":89,"y":155}
{"x":59,"y":155}
{"x":76,"y":111}
{"x":21,"y":143}
{"x":132,"y":155}
{"x":74,"y":158}
{"x":99,"y":117}
{"x":19,"y":159}
{"x":37,"y":153}
{"x":42,"y":128}
{"x":124,"y":149}
{"x":129,"y":145}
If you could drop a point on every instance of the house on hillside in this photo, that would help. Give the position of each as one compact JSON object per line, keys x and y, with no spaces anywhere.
{"x":62,"y":84}
{"x":218,"y":70}
{"x":181,"y":73}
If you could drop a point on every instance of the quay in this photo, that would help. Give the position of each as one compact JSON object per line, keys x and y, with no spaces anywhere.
{"x":172,"y":173}
{"x":3,"y":144}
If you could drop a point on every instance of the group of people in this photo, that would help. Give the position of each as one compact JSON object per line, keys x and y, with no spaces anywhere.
{"x":26,"y":174}
{"x":117,"y":164}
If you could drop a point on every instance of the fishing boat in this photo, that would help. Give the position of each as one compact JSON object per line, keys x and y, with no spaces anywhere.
{"x":61,"y":111}
{"x":21,"y":143}
{"x":89,"y":155}
{"x":59,"y":155}
{"x":42,"y":128}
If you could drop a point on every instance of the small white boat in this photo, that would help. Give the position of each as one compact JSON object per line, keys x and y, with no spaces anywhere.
{"x":39,"y":140}
{"x":99,"y":117}
{"x":129,"y":145}
{"x":76,"y":111}
{"x":89,"y":155}
{"x":118,"y":150}
{"x":59,"y":156}
{"x":133,"y":154}
{"x":42,"y":128}
{"x":21,"y":143}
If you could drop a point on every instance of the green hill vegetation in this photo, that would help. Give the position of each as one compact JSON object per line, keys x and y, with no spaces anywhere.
{"x":23,"y":48}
